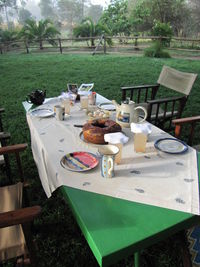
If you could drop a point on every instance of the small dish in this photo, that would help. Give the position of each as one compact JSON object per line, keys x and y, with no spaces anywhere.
{"x":107,"y":106}
{"x":171,"y":146}
{"x":42,"y":112}
{"x":98,"y":114}
{"x":79,"y":161}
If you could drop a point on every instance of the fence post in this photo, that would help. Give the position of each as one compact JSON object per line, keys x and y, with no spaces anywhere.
{"x":26,"y":45}
{"x":136,"y":44}
{"x":104,"y":44}
{"x":60,"y":45}
{"x":1,"y":49}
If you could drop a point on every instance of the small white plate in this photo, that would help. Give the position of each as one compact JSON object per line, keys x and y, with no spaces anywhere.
{"x":107,"y":106}
{"x":42,"y":112}
{"x":171,"y":146}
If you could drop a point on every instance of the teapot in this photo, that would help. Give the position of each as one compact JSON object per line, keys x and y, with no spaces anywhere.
{"x":127,"y":112}
{"x":36,"y":97}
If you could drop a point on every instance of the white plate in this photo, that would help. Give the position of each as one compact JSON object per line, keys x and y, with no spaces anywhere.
{"x":42,"y":112}
{"x":171,"y":146}
{"x":107,"y":106}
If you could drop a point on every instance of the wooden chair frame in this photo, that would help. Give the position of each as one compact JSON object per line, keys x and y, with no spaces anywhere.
{"x":1,"y":125}
{"x":191,"y":121}
{"x":147,"y":94}
{"x":23,"y":216}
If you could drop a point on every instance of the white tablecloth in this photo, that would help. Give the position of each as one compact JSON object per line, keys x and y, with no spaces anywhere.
{"x":154,"y":177}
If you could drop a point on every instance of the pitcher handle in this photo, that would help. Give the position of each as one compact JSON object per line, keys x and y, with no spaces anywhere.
{"x":145,"y":112}
{"x":110,"y":162}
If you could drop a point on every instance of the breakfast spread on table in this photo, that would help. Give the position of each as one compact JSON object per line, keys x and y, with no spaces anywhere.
{"x":137,"y":161}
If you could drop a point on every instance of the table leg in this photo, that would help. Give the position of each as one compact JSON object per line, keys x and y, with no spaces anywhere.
{"x":136,"y":259}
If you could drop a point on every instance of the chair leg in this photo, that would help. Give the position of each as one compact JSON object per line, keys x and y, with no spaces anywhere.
{"x":30,"y":245}
{"x":136,"y":259}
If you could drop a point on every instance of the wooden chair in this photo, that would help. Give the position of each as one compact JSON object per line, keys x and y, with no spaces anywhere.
{"x":4,"y":139}
{"x":1,"y":125}
{"x":162,"y":111}
{"x":15,"y":239}
{"x":190,"y":123}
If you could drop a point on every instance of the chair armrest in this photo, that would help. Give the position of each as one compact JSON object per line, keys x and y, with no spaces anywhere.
{"x":186,"y":120}
{"x":163,"y":100}
{"x":12,"y":149}
{"x":4,"y":136}
{"x":140,"y":87}
{"x":19,"y":216}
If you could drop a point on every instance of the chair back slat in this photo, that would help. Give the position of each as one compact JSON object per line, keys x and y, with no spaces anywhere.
{"x":165,"y":110}
{"x":131,"y":98}
{"x":141,"y":93}
{"x":157,"y":113}
{"x":146,"y":95}
{"x":138,"y":96}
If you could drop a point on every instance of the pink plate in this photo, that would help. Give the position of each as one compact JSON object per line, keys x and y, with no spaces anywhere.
{"x":79,"y":161}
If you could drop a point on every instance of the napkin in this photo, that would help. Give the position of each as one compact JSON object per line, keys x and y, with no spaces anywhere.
{"x":143,"y":127}
{"x":116,"y":138}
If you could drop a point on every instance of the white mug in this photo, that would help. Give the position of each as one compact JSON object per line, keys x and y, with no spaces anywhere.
{"x":60,"y":112}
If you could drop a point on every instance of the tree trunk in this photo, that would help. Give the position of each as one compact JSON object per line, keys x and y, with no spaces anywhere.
{"x":92,"y":42}
{"x":7,"y":20}
{"x":41,"y":45}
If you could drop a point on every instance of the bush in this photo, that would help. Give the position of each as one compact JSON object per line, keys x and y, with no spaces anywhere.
{"x":156,"y":50}
{"x":164,"y":30}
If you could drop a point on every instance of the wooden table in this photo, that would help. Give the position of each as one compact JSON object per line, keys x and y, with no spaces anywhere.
{"x":115,"y":229}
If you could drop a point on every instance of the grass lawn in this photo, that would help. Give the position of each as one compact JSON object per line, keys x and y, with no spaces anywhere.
{"x":59,"y":239}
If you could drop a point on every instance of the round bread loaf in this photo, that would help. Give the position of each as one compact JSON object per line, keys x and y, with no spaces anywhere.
{"x":94,"y":131}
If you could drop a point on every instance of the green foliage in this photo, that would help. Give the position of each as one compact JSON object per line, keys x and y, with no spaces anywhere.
{"x":58,"y":238}
{"x":8,"y":35}
{"x":164,"y":30}
{"x":156,"y":50}
{"x":144,"y":12}
{"x":115,"y":17}
{"x":38,"y":31}
{"x":88,"y":29}
{"x":140,"y":16}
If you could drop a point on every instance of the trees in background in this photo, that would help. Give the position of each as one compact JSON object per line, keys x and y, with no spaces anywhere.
{"x":24,"y":15}
{"x":89,"y":29}
{"x":8,"y":36}
{"x":8,"y":8}
{"x":144,"y":12}
{"x":38,"y":31}
{"x":48,"y":9}
{"x":115,"y":17}
{"x":94,"y":12}
{"x":121,"y":17}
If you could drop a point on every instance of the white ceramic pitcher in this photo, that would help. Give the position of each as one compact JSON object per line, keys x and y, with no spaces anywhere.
{"x":126,"y":113}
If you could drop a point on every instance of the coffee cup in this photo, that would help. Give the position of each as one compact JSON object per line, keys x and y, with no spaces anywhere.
{"x":108,"y":160}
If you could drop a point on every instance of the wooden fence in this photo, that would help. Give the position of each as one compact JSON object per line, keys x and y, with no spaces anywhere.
{"x":98,"y":44}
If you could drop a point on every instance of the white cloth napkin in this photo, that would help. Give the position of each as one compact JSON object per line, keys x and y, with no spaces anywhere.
{"x":116,"y":138}
{"x":144,"y":128}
